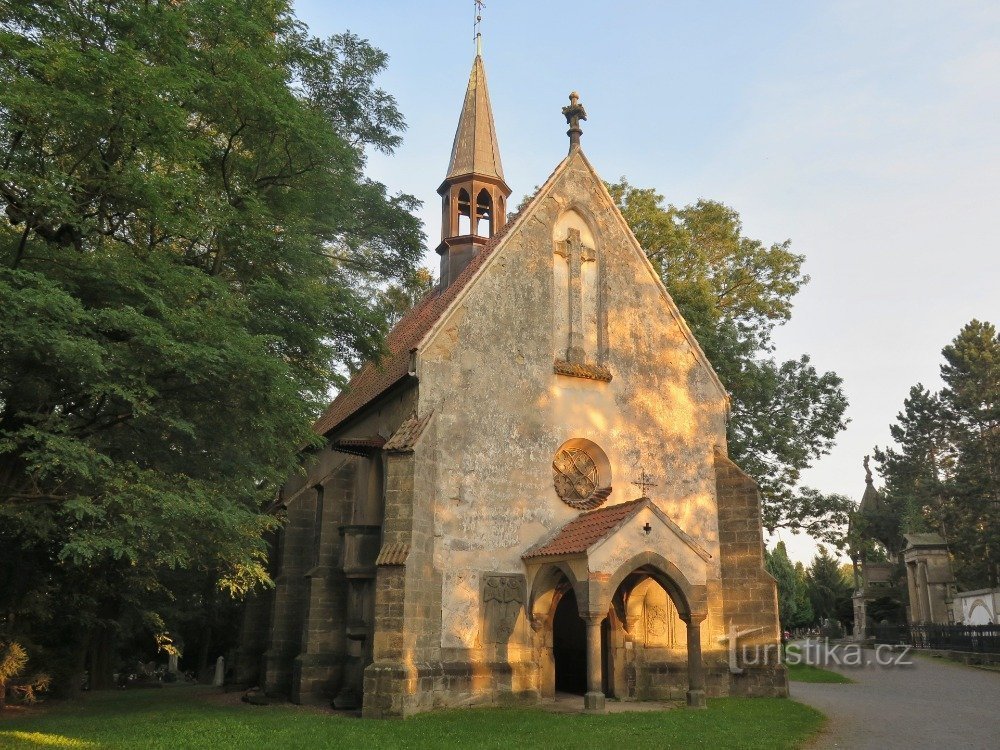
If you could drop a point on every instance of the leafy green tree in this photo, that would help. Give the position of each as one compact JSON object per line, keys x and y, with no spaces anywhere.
{"x":397,"y":299}
{"x":190,"y":258}
{"x":733,"y":291}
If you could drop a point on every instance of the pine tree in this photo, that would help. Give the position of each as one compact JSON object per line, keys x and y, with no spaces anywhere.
{"x":971,"y":407}
{"x":828,"y":590}
{"x":778,"y":565}
{"x":942,"y":473}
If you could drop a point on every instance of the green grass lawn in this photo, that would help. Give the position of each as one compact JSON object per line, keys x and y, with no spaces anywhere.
{"x":809,"y":673}
{"x":803,"y":672}
{"x":188,"y":717}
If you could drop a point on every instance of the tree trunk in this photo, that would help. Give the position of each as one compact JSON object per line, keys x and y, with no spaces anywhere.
{"x":101,"y":652}
{"x":206,"y":643}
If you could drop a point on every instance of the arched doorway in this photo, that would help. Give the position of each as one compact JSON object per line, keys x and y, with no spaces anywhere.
{"x":569,"y":646}
{"x":652,"y":598}
{"x":644,"y":642}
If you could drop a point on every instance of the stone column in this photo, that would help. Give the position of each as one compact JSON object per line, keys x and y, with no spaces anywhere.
{"x":696,"y":669}
{"x":911,"y":585}
{"x":594,"y":699}
{"x":926,"y":615}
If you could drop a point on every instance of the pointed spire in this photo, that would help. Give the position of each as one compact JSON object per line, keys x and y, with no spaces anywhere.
{"x":475,"y":150}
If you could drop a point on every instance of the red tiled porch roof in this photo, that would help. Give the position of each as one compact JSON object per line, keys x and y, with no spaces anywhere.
{"x":580,"y":534}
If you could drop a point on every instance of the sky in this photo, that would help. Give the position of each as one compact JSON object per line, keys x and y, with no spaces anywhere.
{"x":868,"y":133}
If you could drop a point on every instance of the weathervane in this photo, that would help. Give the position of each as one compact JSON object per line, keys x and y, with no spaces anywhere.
{"x":478,"y":35}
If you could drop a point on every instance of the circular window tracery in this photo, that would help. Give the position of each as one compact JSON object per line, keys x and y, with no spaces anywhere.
{"x":581,"y":474}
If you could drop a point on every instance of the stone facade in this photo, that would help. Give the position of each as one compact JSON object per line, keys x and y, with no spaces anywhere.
{"x":980,"y":607}
{"x":930,"y":582}
{"x":473,"y":533}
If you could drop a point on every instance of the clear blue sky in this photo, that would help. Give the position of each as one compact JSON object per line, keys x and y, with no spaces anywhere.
{"x":867,"y":132}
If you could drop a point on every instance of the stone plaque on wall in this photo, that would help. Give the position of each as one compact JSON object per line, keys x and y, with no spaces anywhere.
{"x":503,"y":601}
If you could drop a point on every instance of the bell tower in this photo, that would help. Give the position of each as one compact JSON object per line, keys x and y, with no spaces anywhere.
{"x":473,"y":194}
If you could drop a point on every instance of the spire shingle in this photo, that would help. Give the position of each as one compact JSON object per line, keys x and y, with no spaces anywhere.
{"x":475,"y":150}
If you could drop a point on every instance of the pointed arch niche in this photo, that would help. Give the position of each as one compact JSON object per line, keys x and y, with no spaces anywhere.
{"x":577,"y":311}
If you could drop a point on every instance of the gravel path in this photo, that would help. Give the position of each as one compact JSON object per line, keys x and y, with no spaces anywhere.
{"x":930,"y":704}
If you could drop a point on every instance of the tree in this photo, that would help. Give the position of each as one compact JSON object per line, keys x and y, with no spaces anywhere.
{"x":943,"y":473}
{"x":794,"y":609}
{"x":733,"y":291}
{"x":915,"y":475}
{"x":803,"y":607}
{"x":971,"y":406}
{"x":397,"y":299}
{"x":829,"y":590}
{"x":13,"y":661}
{"x":191,"y":255}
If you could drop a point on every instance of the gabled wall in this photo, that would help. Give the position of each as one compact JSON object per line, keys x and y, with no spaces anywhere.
{"x":501,"y":412}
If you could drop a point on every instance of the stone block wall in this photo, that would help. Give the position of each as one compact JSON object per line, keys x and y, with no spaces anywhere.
{"x":294,"y":557}
{"x":749,"y":593}
{"x":391,"y":677}
{"x":319,"y":664}
{"x":254,"y":632}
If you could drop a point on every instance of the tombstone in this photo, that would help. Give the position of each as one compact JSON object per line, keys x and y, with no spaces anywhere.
{"x":220,"y":672}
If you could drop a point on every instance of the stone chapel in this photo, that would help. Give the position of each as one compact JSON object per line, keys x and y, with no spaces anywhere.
{"x":531,"y":492}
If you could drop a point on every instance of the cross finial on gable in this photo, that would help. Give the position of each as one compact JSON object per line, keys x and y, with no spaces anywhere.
{"x":644,"y":482}
{"x":573,"y":113}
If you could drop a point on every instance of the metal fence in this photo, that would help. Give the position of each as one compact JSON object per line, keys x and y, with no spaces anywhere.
{"x":983,"y":639}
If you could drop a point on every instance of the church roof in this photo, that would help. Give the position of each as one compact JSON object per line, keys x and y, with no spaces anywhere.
{"x":924,"y":539}
{"x":475,"y":150}
{"x":374,"y":379}
{"x":871,"y":501}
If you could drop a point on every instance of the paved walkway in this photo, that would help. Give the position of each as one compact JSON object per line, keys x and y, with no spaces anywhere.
{"x":930,"y":704}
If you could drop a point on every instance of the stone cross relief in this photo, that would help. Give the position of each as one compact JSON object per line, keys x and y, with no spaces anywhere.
{"x":576,"y":254}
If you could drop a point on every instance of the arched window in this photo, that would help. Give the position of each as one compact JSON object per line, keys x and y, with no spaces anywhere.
{"x":464,"y":213}
{"x":484,"y":214}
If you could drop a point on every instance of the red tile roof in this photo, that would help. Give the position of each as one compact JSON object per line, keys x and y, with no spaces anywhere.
{"x":580,"y":534}
{"x":374,"y":379}
{"x":407,"y":434}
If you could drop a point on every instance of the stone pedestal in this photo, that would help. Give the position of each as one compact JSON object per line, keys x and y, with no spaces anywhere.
{"x":220,"y":672}
{"x":594,"y":701}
